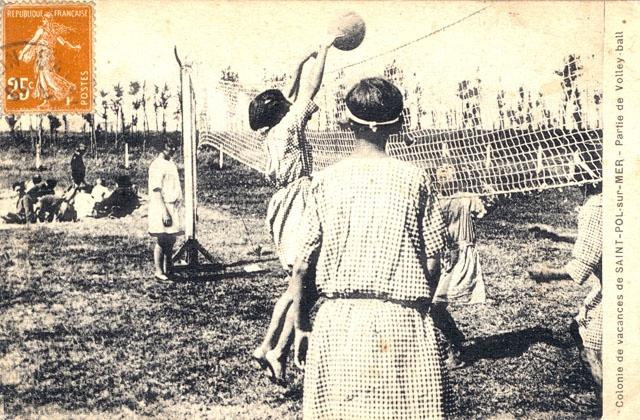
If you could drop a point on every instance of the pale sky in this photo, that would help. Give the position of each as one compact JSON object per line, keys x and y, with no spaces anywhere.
{"x":513,"y":43}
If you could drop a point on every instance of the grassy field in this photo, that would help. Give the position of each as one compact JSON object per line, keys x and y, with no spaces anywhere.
{"x":86,"y":331}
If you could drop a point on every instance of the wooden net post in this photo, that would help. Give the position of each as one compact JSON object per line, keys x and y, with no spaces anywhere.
{"x":189,"y":251}
{"x":189,"y":150}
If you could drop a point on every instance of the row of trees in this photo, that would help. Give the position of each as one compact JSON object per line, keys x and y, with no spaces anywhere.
{"x":124,"y":114}
{"x":113,"y":102}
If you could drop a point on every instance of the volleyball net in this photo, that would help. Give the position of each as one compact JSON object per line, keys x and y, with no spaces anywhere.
{"x":525,"y":124}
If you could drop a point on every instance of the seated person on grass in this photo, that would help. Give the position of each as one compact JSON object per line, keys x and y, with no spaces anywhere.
{"x":122,"y":201}
{"x":28,"y":194}
{"x":77,"y":204}
{"x":99,"y":192}
{"x":48,"y":206}
{"x":20,"y":215}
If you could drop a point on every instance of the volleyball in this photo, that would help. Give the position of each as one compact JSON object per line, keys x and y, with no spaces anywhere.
{"x":350,"y":30}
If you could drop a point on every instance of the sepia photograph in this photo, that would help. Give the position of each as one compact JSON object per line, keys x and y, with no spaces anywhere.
{"x":319,"y":210}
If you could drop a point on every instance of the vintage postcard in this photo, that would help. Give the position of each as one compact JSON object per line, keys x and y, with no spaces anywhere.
{"x":331,"y":209}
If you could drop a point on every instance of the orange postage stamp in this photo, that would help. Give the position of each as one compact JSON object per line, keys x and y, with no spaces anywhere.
{"x":47,"y":57}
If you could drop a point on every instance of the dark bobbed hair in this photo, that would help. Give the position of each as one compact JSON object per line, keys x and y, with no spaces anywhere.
{"x":375,"y":99}
{"x":267,"y":109}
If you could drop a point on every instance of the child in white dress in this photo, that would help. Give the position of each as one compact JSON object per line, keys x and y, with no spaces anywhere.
{"x":165,"y":208}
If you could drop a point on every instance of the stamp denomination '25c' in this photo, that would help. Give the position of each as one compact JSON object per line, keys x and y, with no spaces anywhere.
{"x":48,"y":57}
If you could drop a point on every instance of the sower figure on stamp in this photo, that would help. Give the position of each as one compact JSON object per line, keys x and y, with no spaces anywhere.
{"x":49,"y":84}
{"x":585,"y":266}
{"x":289,"y":168}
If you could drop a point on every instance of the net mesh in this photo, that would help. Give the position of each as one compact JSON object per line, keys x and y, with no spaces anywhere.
{"x":459,"y":124}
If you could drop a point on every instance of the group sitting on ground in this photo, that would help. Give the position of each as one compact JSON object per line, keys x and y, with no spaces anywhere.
{"x":38,"y":201}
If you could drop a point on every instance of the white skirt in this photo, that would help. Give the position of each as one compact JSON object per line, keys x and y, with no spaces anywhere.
{"x":155,"y":217}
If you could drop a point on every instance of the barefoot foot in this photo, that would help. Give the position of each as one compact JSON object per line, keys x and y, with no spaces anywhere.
{"x":276,"y":365}
{"x":258,"y":356}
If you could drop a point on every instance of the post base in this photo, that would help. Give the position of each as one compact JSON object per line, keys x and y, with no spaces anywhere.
{"x":188,"y":258}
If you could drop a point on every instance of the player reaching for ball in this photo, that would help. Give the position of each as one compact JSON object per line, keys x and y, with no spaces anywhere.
{"x":289,"y":166}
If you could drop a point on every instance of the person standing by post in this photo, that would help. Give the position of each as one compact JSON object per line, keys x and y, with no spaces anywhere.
{"x":165,"y":206}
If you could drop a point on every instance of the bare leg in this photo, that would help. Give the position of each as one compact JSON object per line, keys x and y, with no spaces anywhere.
{"x":444,"y":322}
{"x":277,"y":357}
{"x":167,"y":251}
{"x":277,"y":323}
{"x":286,"y":334}
{"x":158,"y":259}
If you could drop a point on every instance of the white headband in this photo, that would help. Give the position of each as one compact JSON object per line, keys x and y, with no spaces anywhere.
{"x":373,"y":125}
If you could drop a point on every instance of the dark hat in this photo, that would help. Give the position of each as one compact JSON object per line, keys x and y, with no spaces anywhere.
{"x":123,"y":181}
{"x":267,"y":109}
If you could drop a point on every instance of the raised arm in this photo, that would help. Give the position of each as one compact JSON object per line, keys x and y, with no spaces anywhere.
{"x":309,"y":88}
{"x":292,"y":92}
{"x":66,"y":43}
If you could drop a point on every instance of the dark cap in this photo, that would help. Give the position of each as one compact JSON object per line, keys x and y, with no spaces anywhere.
{"x":123,"y":181}
{"x":267,"y":109}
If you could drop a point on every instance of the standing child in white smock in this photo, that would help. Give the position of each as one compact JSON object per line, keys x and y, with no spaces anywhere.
{"x":165,"y":208}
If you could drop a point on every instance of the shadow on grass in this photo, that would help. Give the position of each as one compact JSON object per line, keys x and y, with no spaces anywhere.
{"x":511,"y":344}
{"x":30,"y":297}
{"x":214,"y":276}
{"x":255,"y":261}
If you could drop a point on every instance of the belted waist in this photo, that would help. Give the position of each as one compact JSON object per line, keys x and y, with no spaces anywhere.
{"x":421,"y":304}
